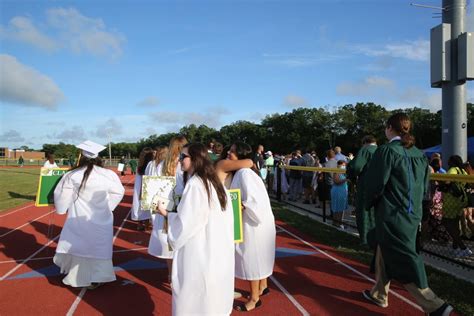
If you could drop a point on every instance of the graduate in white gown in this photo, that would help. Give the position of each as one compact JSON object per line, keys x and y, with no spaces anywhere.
{"x":170,"y":166}
{"x":89,"y":194}
{"x":255,"y":256}
{"x":50,"y":163}
{"x":202,"y":236}
{"x":137,"y":213}
{"x":152,"y":167}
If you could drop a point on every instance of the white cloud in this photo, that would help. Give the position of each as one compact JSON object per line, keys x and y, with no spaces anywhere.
{"x":66,"y":28}
{"x":210,"y":117}
{"x":74,"y":134}
{"x":148,"y":101}
{"x":83,"y":34}
{"x":23,"y":30}
{"x":295,"y":61}
{"x":24,"y":85}
{"x":369,"y":86}
{"x":294,"y":101}
{"x":418,"y":50}
{"x":12,"y":136}
{"x":110,"y":128}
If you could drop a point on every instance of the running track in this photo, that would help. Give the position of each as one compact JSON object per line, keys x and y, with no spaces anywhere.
{"x":309,"y":278}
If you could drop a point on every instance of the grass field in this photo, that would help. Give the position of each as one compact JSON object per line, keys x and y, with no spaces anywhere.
{"x":455,"y":291}
{"x":18,"y":186}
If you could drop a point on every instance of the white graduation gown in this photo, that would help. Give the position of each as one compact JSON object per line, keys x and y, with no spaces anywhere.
{"x":255,"y":256}
{"x":202,"y":237}
{"x":138,"y":214}
{"x":158,"y":245}
{"x":152,"y":169}
{"x":85,"y":245}
{"x":49,"y":165}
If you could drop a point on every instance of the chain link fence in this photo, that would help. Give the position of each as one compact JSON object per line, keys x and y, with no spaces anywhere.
{"x":434,"y":238}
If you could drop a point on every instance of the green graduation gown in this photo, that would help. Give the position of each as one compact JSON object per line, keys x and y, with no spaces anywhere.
{"x":356,"y":169}
{"x":394,"y":177}
{"x":133,"y":165}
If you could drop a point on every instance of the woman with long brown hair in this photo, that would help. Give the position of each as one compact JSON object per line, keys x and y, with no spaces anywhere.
{"x":255,"y":256}
{"x":396,"y":182}
{"x":170,"y":166}
{"x":160,"y":155}
{"x":202,"y":236}
{"x":138,"y":214}
{"x":89,"y":194}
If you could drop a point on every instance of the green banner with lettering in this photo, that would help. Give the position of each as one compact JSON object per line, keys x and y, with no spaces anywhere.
{"x":236,"y":199}
{"x":48,"y":180}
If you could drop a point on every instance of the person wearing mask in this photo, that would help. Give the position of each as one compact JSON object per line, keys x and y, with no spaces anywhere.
{"x":201,"y":234}
{"x":397,"y":179}
{"x":356,"y":172}
{"x":88,"y":194}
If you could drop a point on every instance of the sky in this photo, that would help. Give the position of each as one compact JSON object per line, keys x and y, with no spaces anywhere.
{"x":124,"y":70}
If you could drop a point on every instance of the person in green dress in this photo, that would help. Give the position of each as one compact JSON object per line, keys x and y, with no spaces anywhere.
{"x":356,"y":171}
{"x":396,"y":181}
{"x":133,"y":165}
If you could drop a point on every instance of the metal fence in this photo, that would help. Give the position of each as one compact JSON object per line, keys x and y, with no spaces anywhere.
{"x":433,"y":245}
{"x":60,"y":162}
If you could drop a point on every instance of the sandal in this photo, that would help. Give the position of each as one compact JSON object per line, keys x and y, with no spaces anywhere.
{"x":243,"y":308}
{"x":94,"y":285}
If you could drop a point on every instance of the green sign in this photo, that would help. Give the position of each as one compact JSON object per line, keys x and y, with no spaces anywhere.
{"x":48,"y":180}
{"x":237,"y":208}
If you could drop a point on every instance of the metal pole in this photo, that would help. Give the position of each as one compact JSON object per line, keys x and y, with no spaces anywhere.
{"x":454,"y":108}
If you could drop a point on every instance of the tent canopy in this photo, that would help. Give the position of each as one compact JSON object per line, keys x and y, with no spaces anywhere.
{"x":438,"y":149}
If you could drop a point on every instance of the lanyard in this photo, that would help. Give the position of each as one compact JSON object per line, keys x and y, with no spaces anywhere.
{"x":410,"y":203}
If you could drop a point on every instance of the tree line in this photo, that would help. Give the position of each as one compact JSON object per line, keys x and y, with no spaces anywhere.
{"x":303,"y":128}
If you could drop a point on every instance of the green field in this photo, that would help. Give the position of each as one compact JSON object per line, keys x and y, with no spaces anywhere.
{"x":18,"y":186}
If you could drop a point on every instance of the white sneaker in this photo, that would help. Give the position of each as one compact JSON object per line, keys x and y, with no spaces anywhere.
{"x":341,"y":227}
{"x":464,"y":253}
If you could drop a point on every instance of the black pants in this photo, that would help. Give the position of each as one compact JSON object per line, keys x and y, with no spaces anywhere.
{"x":452,"y":226}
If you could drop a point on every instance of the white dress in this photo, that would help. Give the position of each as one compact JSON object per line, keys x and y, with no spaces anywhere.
{"x":84,"y":250}
{"x":255,"y":256}
{"x":138,"y":214}
{"x":202,"y":237}
{"x":158,"y":245}
{"x":49,"y":165}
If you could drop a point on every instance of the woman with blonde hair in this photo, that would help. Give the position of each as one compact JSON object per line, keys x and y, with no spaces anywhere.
{"x":170,"y":166}
{"x":160,"y":155}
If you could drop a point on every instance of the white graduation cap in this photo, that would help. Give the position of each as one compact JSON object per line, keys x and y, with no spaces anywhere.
{"x":90,"y":149}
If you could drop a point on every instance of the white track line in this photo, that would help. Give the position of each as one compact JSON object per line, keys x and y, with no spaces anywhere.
{"x":12,"y":212}
{"x":29,"y":222}
{"x":27,"y":259}
{"x":74,"y":305}
{"x":351,"y":268}
{"x":45,"y":258}
{"x":303,"y":311}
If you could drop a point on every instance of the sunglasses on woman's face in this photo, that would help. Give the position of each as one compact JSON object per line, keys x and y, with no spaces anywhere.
{"x":182,"y":156}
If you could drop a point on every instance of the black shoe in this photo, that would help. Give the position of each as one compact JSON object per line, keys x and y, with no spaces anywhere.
{"x":444,"y":310}
{"x":243,"y":308}
{"x":306,"y":202}
{"x":265,"y":291}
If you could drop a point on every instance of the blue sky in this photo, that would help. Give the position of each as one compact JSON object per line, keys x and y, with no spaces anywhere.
{"x":72,"y":71}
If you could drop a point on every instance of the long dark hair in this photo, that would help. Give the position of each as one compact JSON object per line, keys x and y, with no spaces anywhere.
{"x":146,"y":155}
{"x":244,"y":151}
{"x":401,"y":124}
{"x":89,"y":163}
{"x":204,"y":168}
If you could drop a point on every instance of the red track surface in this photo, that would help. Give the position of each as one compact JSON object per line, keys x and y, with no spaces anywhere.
{"x":309,"y":278}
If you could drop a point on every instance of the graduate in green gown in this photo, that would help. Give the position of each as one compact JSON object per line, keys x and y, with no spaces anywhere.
{"x":396,"y":181}
{"x":133,"y":166}
{"x":356,"y":171}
